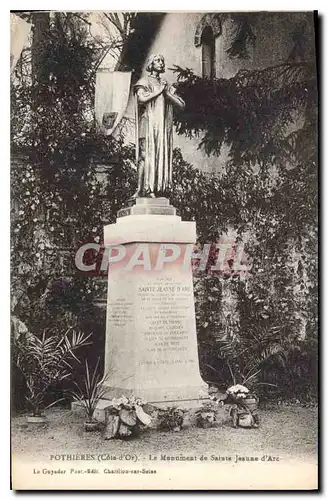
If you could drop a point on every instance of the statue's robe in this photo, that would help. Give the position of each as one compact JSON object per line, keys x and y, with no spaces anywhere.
{"x":155,"y":126}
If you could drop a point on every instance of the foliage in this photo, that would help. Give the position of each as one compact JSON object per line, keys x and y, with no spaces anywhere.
{"x":45,"y":239}
{"x":90,"y":392}
{"x":267,"y":198}
{"x":60,"y":199}
{"x":206,"y":415}
{"x":115,"y":39}
{"x":203,"y":195}
{"x":270,"y":354}
{"x":67,"y":180}
{"x":244,"y":37}
{"x":254,"y":117}
{"x":170,"y":419}
{"x":44,"y":362}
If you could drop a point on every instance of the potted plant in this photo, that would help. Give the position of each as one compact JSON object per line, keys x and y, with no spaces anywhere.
{"x":43,"y":363}
{"x":89,"y":393}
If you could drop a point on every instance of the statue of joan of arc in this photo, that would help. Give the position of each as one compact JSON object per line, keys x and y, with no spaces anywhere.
{"x":154,"y":103}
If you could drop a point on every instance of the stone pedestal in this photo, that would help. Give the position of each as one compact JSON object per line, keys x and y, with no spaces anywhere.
{"x":151,"y":345}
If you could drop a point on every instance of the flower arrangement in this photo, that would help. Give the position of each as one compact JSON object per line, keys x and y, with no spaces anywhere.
{"x":243,"y":409}
{"x":125,"y":417}
{"x":129,"y":403}
{"x":243,"y":405}
{"x":238,"y":391}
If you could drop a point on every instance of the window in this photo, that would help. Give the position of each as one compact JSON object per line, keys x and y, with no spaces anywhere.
{"x":207,"y":30}
{"x":208,"y":53}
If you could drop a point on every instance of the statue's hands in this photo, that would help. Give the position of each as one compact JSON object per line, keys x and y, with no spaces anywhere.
{"x":171,"y":89}
{"x":163,"y":87}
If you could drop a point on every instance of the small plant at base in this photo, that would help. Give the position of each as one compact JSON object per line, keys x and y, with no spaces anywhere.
{"x":170,"y":419}
{"x":206,"y":415}
{"x":90,"y":392}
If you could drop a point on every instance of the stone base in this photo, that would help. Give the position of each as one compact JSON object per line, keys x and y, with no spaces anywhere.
{"x":162,"y":396}
{"x":148,"y":206}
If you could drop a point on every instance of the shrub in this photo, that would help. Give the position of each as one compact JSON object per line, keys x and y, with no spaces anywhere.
{"x":44,"y":362}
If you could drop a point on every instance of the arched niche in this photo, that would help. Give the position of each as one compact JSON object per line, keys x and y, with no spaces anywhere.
{"x":208,"y":20}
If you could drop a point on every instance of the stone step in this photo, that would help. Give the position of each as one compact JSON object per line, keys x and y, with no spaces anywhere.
{"x":148,"y":206}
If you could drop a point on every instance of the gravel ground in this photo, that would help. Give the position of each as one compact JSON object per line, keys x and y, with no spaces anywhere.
{"x":287,"y":432}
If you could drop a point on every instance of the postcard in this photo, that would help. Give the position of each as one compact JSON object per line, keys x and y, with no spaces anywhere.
{"x":164,"y":232}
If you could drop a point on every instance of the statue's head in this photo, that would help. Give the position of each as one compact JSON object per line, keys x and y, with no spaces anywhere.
{"x":156,"y":63}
